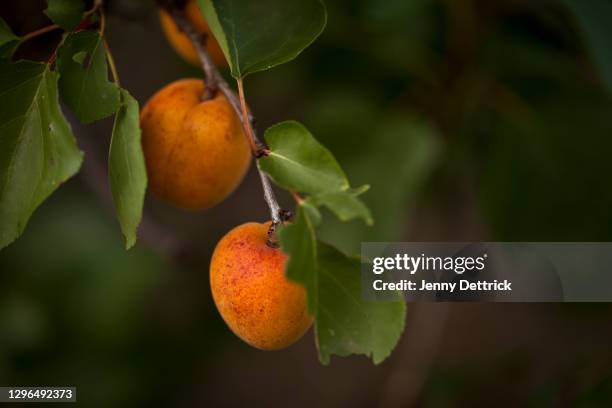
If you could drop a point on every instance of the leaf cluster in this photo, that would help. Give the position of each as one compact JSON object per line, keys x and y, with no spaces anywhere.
{"x":39,"y":150}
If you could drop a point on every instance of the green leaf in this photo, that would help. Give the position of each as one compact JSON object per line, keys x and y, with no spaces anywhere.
{"x":593,"y":17}
{"x":406,"y":153}
{"x":345,"y":323}
{"x":84,"y":83}
{"x":7,"y":50}
{"x":8,"y":41}
{"x":66,"y":13}
{"x":258,"y":35}
{"x":37,"y":149}
{"x":345,"y":204}
{"x":297,"y":162}
{"x":6,"y":34}
{"x":298,"y":240}
{"x":312,"y":212}
{"x":126,"y":168}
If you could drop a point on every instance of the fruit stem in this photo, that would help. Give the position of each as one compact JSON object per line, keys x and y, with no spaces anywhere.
{"x":211,"y":76}
{"x":275,"y":209}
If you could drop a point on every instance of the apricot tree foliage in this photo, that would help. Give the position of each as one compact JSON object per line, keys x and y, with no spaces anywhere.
{"x":38,"y":150}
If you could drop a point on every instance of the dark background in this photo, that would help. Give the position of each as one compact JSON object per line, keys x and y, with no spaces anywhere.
{"x":472,"y":120}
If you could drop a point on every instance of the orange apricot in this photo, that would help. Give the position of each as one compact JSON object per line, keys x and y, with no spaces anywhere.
{"x":195,"y":151}
{"x":249,"y":287}
{"x":181,"y":42}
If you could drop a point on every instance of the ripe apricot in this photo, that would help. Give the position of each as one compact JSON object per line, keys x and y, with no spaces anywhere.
{"x":182,"y":44}
{"x":195,"y":151}
{"x":251,"y":291}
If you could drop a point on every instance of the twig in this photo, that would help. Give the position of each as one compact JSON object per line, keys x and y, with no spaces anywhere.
{"x":97,"y":4}
{"x":38,"y":32}
{"x":52,"y":27}
{"x":84,"y":22}
{"x":214,"y":81}
{"x":275,"y":210}
{"x":199,"y":42}
{"x":102,"y":27}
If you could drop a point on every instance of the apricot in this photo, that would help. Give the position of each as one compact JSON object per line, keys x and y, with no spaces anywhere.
{"x":195,"y":151}
{"x":251,"y":291}
{"x":181,"y":42}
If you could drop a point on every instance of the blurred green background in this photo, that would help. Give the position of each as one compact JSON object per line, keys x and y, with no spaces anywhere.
{"x":470,"y":119}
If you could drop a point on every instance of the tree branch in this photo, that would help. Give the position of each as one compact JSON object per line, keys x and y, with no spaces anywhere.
{"x":211,"y":77}
{"x":215,"y":82}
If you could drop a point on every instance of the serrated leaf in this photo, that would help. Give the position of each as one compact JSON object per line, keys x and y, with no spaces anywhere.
{"x":37,"y":149}
{"x":6,"y":34}
{"x":407,"y":152}
{"x":298,"y":162}
{"x":66,"y":13}
{"x":345,"y":204}
{"x":84,"y":83}
{"x":258,"y":35}
{"x":126,"y":168}
{"x":345,"y":323}
{"x":298,"y":241}
{"x":594,"y":16}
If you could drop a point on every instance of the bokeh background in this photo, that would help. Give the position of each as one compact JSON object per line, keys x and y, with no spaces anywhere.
{"x":470,"y":119}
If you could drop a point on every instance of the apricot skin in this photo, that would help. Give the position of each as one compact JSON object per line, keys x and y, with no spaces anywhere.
{"x":251,"y":291}
{"x":182,"y":44}
{"x":195,"y":151}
